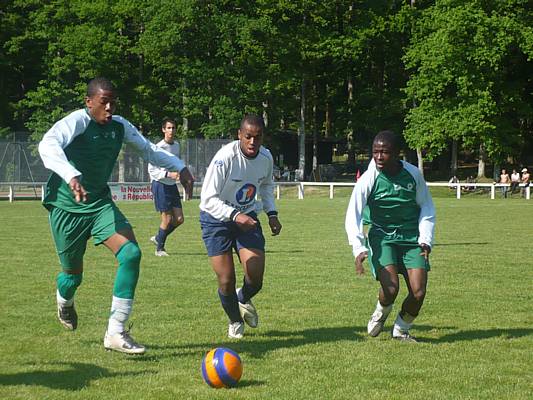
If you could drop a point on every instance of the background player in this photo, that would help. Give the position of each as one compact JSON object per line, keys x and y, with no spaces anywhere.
{"x":81,"y":150}
{"x":166,"y":194}
{"x":238,"y":172}
{"x":402,"y":218}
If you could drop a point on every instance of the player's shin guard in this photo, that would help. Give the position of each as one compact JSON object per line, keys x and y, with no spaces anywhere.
{"x":248,"y":291}
{"x":66,"y":287}
{"x":129,"y":258}
{"x":230,"y":304}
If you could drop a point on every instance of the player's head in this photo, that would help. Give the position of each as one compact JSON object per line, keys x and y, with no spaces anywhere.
{"x":100,"y":100}
{"x":386,"y":150}
{"x":168,"y":127}
{"x":251,"y":134}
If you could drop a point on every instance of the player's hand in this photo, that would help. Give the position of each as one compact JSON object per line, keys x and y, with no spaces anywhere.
{"x":359,"y":270}
{"x":426,"y":249}
{"x":187,"y":180}
{"x":77,"y":190}
{"x":275,"y":225}
{"x":245,"y":222}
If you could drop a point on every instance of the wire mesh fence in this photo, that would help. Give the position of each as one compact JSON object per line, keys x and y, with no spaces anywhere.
{"x":20,"y":161}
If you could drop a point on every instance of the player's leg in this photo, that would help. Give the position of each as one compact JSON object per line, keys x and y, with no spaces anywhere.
{"x":382,"y":260}
{"x":218,"y":240}
{"x":416,"y":280}
{"x":251,"y":248}
{"x":253,"y":262}
{"x":168,"y":202}
{"x":70,"y":233}
{"x":388,"y":279}
{"x":416,"y":275}
{"x":113,"y":230}
{"x":224,"y":269}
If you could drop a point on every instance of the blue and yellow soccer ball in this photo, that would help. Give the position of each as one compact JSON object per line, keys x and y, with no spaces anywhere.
{"x":221,"y":368}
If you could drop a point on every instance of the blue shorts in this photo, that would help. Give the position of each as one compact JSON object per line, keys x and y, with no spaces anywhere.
{"x":166,"y":197}
{"x":220,"y":237}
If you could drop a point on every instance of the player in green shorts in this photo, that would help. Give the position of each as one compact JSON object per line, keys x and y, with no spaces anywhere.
{"x":81,"y":150}
{"x":402,"y":219}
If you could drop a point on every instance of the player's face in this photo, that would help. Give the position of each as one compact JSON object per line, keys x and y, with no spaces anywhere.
{"x":385,"y":156}
{"x":169,"y":130}
{"x":251,"y":137}
{"x":101,"y":106}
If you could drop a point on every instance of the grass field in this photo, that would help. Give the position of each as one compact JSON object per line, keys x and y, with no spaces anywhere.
{"x":476,"y":327}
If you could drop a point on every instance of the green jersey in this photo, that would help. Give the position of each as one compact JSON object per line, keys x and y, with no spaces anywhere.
{"x":397,"y":205}
{"x":77,"y":146}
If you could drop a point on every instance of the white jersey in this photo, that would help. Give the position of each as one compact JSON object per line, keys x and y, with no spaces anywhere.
{"x":158,"y":173}
{"x":233,"y":180}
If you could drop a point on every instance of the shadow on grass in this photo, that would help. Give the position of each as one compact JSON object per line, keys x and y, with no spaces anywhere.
{"x":70,"y":376}
{"x":480,"y":334}
{"x":258,"y":345}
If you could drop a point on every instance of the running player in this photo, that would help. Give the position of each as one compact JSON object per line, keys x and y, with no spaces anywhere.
{"x":239,"y":171}
{"x":81,"y":150}
{"x":402,"y":218}
{"x":167,"y":198}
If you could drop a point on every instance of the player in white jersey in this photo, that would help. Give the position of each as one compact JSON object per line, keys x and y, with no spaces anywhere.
{"x":166,"y":195}
{"x":402,"y":219}
{"x":239,"y":171}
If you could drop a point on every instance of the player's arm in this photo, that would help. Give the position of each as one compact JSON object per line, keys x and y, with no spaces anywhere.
{"x":266,"y":191}
{"x":53,"y":143}
{"x":354,"y":217}
{"x":426,"y":219}
{"x":156,"y":155}
{"x":214,"y":181}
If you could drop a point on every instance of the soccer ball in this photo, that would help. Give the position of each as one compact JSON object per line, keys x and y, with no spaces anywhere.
{"x":221,"y":368}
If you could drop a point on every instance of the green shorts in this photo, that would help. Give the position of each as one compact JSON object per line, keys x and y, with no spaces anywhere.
{"x":71,"y":231}
{"x":402,"y":251}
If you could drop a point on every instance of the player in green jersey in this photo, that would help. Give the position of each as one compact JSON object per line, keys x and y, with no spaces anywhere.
{"x":402,"y":219}
{"x":81,"y":150}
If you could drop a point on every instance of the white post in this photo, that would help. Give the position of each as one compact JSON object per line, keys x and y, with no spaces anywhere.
{"x":43,"y":188}
{"x":331,"y":191}
{"x":492,"y":190}
{"x":278,"y":192}
{"x":300,"y":191}
{"x":11,"y":193}
{"x":458,"y":190}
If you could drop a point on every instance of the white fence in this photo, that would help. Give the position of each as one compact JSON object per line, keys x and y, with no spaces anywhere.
{"x":138,"y":191}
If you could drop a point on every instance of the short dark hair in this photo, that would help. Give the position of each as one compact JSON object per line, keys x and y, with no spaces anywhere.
{"x":167,"y":120}
{"x":99,"y":83}
{"x":253,"y":119}
{"x":389,"y":137}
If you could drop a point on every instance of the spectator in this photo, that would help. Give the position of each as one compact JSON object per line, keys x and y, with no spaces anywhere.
{"x":504,"y":179}
{"x":515,"y":181}
{"x":525,"y":180}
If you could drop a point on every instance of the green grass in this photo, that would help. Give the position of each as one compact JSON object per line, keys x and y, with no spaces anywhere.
{"x":476,"y":327}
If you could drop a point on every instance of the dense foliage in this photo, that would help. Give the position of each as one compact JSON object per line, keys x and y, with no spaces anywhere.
{"x":435,"y":71}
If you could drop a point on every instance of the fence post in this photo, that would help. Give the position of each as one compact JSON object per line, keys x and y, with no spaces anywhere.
{"x":458,"y":190}
{"x":331,"y":190}
{"x":11,"y":193}
{"x":528,"y":192}
{"x":301,"y":191}
{"x":278,"y":192}
{"x":43,"y":188}
{"x":492,"y":190}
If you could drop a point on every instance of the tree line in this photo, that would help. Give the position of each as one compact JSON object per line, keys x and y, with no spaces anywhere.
{"x":445,"y":74}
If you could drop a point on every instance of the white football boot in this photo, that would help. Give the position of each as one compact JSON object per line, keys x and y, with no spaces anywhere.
{"x":377,"y":320}
{"x":248,"y":312}
{"x":236,"y":330}
{"x":123,"y":343}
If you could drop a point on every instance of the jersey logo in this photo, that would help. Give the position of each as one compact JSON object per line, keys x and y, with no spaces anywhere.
{"x":219,"y":163}
{"x":245,"y":194}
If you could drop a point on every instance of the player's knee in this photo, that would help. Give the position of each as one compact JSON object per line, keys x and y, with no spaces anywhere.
{"x":226,"y":283}
{"x":391,"y":291}
{"x":419,"y":294}
{"x":129,"y":255}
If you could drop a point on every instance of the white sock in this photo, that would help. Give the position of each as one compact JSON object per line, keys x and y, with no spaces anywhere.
{"x":401,"y":326}
{"x":384,"y":310}
{"x":120,"y":312}
{"x":63,"y":302}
